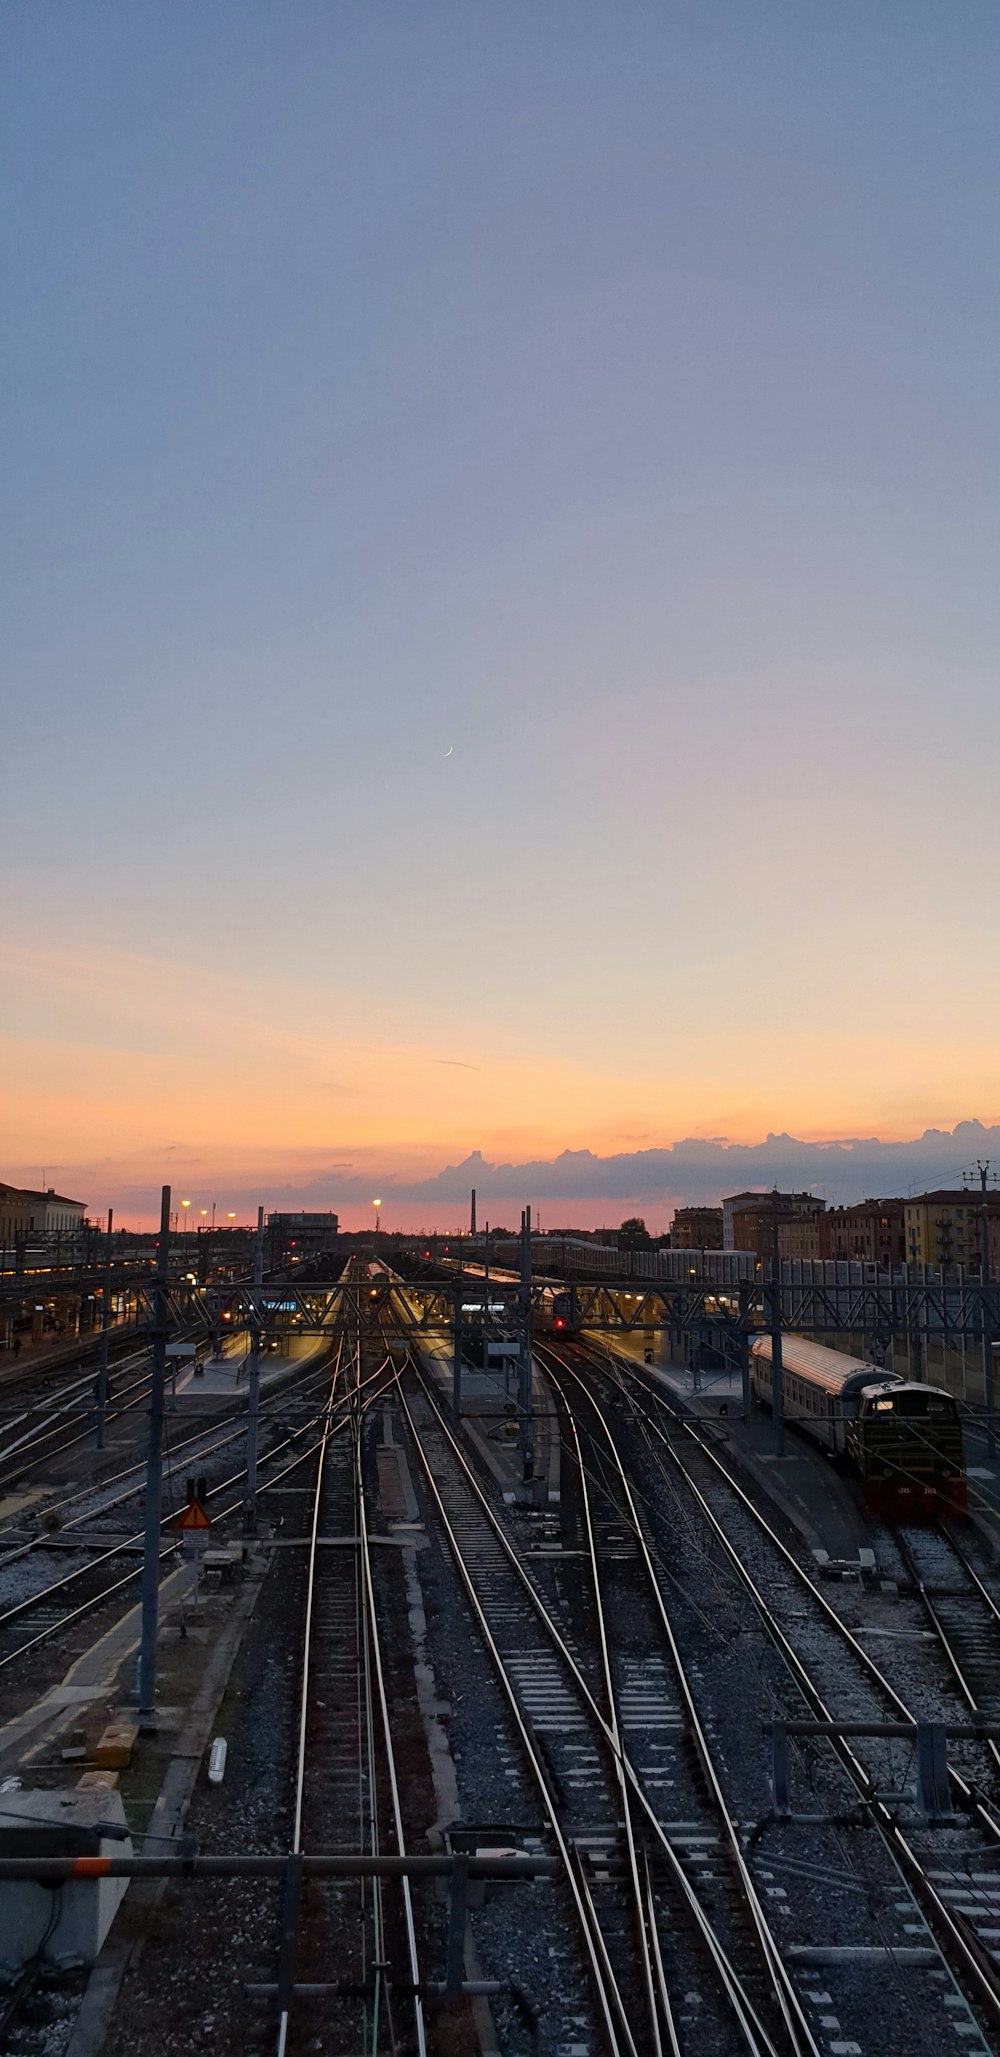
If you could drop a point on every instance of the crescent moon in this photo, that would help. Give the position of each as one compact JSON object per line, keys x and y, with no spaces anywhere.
{"x":449,"y":750}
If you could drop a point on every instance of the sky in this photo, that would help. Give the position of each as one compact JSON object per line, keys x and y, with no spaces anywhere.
{"x":499,"y":644}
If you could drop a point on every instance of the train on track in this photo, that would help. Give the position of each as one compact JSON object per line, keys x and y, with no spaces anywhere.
{"x":903,"y":1439}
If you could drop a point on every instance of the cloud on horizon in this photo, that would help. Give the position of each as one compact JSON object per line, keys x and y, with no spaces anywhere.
{"x":695,"y":1169}
{"x":578,"y":1184}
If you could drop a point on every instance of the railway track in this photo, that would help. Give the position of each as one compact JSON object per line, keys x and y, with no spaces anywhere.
{"x":80,"y":1577}
{"x":338,"y":1946}
{"x":964,"y":1617}
{"x":827,"y":1664}
{"x":645,"y":1903}
{"x":100,"y":1499}
{"x":650,"y":1693}
{"x":68,"y":1418}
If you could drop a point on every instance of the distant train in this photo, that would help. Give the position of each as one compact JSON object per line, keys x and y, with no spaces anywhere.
{"x":903,"y":1439}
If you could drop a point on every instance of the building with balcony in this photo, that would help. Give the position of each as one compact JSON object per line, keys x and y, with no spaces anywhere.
{"x":944,"y":1228}
{"x":696,"y":1228}
{"x":872,"y":1232}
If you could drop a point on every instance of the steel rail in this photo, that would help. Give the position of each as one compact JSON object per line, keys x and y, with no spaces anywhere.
{"x":300,"y":1769}
{"x":352,"y":1420}
{"x":201,"y":1442}
{"x":754,"y":2032}
{"x":950,"y":1653}
{"x":108,"y":1592}
{"x":971,"y":1801}
{"x":77,"y":1385}
{"x":121,"y":1405}
{"x":613,"y":2012}
{"x":653,"y":1983}
{"x":29,"y":1442}
{"x":973,"y":1963}
{"x":800,"y":2034}
{"x":390,"y":1756}
{"x":44,"y":1593}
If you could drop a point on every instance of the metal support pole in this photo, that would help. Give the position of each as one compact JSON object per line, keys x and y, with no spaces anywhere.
{"x":457,"y":1905}
{"x":154,"y":1474}
{"x":526,"y":1420}
{"x":456,"y":1373}
{"x":984,"y":1274}
{"x":779,"y":1770}
{"x":102,"y":1360}
{"x":253,"y":1384}
{"x":288,"y":1943}
{"x":777,"y":1367}
{"x":744,"y":1343}
{"x":933,"y":1786}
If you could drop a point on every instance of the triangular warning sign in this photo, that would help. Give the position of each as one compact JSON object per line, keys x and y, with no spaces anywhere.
{"x":192,"y":1516}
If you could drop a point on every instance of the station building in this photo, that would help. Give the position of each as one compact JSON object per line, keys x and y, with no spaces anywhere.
{"x":300,"y":1235}
{"x":25,"y":1212}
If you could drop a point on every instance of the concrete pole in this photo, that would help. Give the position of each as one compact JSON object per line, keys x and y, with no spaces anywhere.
{"x":525,"y":1411}
{"x":253,"y":1384}
{"x":102,"y":1361}
{"x":777,"y":1367}
{"x":154,"y":1476}
{"x":987,"y":1333}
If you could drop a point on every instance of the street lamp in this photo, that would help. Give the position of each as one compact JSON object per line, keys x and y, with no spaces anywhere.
{"x":185,"y":1204}
{"x":376,"y":1204}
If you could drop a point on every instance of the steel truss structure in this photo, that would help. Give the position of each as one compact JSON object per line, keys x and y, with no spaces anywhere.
{"x":879,"y":1308}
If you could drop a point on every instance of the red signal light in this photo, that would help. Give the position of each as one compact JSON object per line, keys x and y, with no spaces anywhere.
{"x":559,"y":1321}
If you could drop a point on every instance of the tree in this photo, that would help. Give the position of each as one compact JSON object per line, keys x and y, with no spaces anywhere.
{"x":633,"y":1234}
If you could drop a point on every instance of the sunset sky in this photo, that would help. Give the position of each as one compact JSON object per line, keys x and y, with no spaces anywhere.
{"x":500,"y":641}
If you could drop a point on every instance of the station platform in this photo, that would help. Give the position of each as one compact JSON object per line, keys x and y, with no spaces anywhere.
{"x":61,"y":1351}
{"x":226,"y":1376}
{"x":486,"y":1398}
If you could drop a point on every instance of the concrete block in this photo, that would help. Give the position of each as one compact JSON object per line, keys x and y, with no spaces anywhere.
{"x":89,"y":1823}
{"x":97,"y":1782}
{"x":114,"y":1750}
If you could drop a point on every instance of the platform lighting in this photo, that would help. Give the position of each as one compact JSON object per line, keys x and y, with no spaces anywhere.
{"x":185,"y":1204}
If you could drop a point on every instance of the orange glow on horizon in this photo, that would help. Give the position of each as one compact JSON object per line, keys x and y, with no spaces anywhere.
{"x":132,"y":1085}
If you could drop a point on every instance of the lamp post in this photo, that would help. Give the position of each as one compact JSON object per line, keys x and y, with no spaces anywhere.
{"x":185,"y":1204}
{"x":377,"y":1205}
